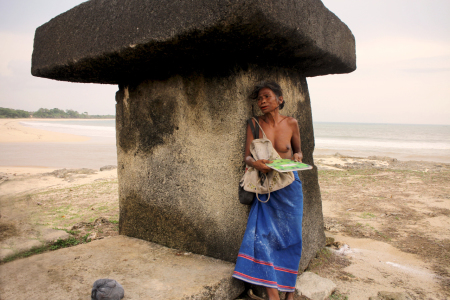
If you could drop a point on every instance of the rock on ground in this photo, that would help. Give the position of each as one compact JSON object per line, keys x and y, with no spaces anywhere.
{"x":314,"y":287}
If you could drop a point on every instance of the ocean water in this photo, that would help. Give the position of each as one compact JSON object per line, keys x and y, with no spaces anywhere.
{"x":90,"y":128}
{"x":404,"y":142}
{"x":401,"y":141}
{"x":97,"y":152}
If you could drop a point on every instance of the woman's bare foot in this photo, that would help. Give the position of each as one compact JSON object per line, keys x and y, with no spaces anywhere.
{"x":289,"y":296}
{"x":273,"y":294}
{"x":253,"y":296}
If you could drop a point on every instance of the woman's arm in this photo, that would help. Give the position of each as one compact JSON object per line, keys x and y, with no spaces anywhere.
{"x":260,"y":165}
{"x":295,"y":141}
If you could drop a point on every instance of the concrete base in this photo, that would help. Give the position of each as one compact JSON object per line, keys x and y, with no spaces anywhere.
{"x":145,"y":270}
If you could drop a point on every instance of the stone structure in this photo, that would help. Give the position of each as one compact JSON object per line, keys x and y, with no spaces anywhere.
{"x":184,"y":70}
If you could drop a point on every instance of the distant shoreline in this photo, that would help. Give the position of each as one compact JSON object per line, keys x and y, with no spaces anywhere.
{"x":11,"y":131}
{"x":364,"y":154}
{"x":40,"y":146}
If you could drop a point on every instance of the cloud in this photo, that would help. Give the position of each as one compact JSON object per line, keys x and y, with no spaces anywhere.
{"x":15,"y":47}
{"x":404,"y":51}
{"x":427,"y":70}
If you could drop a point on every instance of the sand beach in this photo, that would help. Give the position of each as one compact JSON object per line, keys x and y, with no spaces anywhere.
{"x":387,"y":220}
{"x":12,"y":132}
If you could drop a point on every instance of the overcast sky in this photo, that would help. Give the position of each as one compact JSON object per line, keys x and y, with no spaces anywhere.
{"x":403,"y":59}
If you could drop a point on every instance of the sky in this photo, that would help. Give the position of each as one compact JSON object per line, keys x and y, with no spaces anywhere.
{"x":402,"y":76}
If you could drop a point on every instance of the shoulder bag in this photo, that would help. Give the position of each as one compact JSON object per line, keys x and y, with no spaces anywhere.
{"x":257,"y":182}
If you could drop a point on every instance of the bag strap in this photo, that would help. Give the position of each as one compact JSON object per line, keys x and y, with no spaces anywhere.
{"x":253,"y":129}
{"x":256,"y":135}
{"x":264,"y":135}
{"x":268,"y":197}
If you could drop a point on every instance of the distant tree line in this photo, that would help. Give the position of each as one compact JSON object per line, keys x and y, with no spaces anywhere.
{"x":13,"y":113}
{"x":54,"y":113}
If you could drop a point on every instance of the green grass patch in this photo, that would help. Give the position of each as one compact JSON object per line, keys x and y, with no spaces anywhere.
{"x":382,"y":235}
{"x":72,"y":232}
{"x":59,"y":244}
{"x":367,"y":215}
{"x":338,"y":296}
{"x":322,"y":257}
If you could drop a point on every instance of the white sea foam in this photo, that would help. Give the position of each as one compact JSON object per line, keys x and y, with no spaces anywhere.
{"x":84,"y":130}
{"x":404,"y":140}
{"x":331,"y":143}
{"x":411,"y":140}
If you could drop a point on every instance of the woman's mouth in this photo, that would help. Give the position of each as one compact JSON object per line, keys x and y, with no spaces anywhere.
{"x":264,"y":107}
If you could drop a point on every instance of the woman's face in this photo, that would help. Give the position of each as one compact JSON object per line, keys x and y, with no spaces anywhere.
{"x":267,"y":100}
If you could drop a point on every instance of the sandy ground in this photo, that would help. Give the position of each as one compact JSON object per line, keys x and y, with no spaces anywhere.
{"x":12,"y":132}
{"x":390,"y":219}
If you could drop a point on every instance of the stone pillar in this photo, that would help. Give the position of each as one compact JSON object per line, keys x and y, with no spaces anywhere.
{"x":185,"y":70}
{"x":180,"y":150}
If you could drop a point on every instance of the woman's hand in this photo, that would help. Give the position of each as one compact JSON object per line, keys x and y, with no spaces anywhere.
{"x":298,"y":157}
{"x":260,"y":165}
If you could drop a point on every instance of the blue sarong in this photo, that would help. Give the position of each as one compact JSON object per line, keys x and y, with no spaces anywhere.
{"x":272,"y":246}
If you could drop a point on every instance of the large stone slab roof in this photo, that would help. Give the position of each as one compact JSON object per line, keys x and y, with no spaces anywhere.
{"x":106,"y":41}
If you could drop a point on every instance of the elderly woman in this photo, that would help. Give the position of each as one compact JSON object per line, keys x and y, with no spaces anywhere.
{"x":270,"y":251}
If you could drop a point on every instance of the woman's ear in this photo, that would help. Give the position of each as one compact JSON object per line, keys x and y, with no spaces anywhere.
{"x":280,"y":100}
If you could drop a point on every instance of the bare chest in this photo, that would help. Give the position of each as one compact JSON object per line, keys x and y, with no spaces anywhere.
{"x":280,"y":137}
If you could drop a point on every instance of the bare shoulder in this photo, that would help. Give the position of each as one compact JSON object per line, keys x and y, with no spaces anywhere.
{"x":292,"y":121}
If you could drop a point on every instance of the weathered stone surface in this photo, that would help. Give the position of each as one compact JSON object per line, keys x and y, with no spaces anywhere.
{"x":314,"y":287}
{"x":180,"y":158}
{"x":145,"y":270}
{"x":127,"y":40}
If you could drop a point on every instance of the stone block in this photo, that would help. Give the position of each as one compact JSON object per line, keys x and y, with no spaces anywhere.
{"x":180,"y":158}
{"x":145,"y":270}
{"x":127,"y":40}
{"x":185,"y":69}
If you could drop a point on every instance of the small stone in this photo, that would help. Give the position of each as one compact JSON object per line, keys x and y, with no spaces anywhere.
{"x":338,"y":244}
{"x":329,"y":241}
{"x":107,"y":289}
{"x":109,"y":167}
{"x":314,"y":287}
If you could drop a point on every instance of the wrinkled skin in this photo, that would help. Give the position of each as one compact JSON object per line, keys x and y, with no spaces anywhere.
{"x":281,"y":130}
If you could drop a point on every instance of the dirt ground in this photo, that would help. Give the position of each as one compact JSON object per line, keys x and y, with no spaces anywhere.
{"x":395,"y":218}
{"x":82,"y":202}
{"x":390,"y":220}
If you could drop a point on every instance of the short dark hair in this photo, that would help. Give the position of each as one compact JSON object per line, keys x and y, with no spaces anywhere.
{"x":275,"y":87}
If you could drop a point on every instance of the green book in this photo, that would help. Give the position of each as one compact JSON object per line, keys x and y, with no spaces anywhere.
{"x":286,"y":165}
